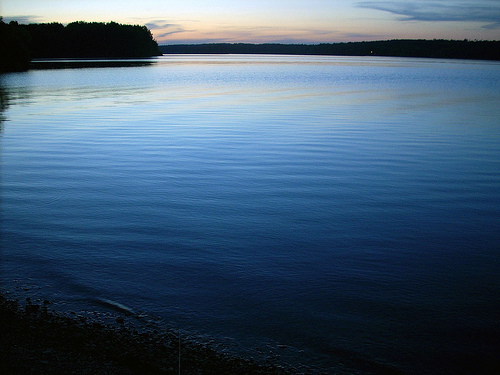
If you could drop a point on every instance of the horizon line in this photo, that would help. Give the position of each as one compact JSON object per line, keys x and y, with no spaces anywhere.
{"x":319,"y":43}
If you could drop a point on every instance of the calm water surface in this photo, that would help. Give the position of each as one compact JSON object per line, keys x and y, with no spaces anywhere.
{"x":346,"y":208}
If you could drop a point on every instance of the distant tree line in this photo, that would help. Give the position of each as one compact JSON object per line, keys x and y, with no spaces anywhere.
{"x":20,"y":43}
{"x":437,"y":48}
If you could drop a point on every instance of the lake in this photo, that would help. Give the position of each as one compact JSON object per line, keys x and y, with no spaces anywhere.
{"x":340,"y":212}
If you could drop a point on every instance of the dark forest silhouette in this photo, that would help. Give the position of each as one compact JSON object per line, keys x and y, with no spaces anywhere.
{"x":94,"y":39}
{"x":20,"y":43}
{"x":438,"y":48}
{"x":14,"y":47}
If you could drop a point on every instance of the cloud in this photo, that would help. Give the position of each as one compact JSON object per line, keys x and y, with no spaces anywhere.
{"x":362,"y":36}
{"x":22,"y":19}
{"x":161,"y":24}
{"x":243,"y":34}
{"x":154,"y":26}
{"x":164,"y":35}
{"x":270,"y":34}
{"x":162,"y":28}
{"x":487,"y":12}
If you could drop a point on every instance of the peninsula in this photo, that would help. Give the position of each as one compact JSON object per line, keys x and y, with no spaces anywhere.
{"x":21,"y":43}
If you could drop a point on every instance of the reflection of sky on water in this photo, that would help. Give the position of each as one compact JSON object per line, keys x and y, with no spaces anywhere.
{"x":327,"y":78}
{"x":322,"y":201}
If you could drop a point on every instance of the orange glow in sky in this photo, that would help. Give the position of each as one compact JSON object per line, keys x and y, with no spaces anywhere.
{"x":283,"y":21}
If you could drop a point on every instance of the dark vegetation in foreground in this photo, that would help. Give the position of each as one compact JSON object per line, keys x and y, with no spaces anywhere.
{"x":34,"y":340}
{"x":21,"y":43}
{"x":451,"y":49}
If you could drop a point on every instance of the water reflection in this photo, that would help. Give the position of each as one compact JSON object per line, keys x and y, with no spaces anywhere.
{"x":90,"y":63}
{"x":4,"y":103}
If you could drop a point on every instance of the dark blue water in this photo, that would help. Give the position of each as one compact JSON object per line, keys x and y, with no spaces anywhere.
{"x":346,"y":208}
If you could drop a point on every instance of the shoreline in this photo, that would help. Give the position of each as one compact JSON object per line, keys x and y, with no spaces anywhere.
{"x":38,"y":340}
{"x":437,"y":48}
{"x":39,"y":335}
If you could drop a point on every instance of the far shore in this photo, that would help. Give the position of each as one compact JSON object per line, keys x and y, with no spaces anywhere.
{"x":436,"y":48}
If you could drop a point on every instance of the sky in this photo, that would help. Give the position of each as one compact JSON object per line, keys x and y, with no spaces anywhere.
{"x":270,"y":21}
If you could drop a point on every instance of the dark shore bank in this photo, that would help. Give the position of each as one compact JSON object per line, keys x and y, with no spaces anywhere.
{"x":34,"y":339}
